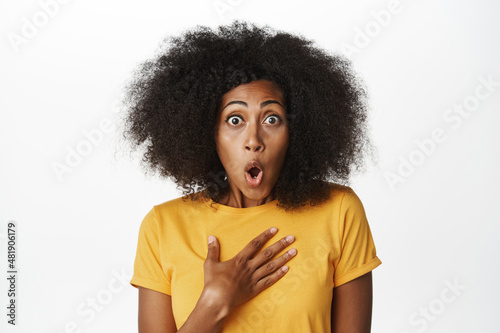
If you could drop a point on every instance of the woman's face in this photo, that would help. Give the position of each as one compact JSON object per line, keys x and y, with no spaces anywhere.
{"x":252,"y":139}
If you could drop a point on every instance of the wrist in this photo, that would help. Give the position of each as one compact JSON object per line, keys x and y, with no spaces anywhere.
{"x":217,"y":307}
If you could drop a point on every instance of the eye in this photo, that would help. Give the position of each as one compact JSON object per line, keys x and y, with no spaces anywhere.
{"x":274,"y":119}
{"x":233,"y":120}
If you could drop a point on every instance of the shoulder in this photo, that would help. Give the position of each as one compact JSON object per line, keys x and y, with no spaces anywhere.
{"x":339,"y":193}
{"x":181,"y":203}
{"x":180,"y":209}
{"x":338,"y":189}
{"x":342,"y":199}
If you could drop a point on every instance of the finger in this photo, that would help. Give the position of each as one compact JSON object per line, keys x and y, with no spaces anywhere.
{"x":271,"y":279}
{"x":253,"y":247}
{"x":275,"y":264}
{"x":213,"y":249}
{"x":271,"y":251}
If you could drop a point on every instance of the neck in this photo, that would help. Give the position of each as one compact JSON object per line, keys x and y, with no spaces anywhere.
{"x":238,"y":200}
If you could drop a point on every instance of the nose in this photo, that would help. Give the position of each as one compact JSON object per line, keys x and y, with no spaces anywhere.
{"x":253,"y":140}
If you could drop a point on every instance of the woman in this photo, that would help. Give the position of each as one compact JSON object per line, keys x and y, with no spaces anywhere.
{"x":253,"y":125}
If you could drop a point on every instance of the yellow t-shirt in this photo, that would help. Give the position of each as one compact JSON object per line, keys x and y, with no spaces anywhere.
{"x":333,"y":241}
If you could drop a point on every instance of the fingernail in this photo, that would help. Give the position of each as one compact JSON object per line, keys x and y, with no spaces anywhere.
{"x":284,"y":268}
{"x":210,"y":239}
{"x":273,"y":230}
{"x":292,"y":252}
{"x":290,"y":238}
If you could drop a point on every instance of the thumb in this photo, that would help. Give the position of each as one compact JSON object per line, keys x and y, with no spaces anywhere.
{"x":213,"y":249}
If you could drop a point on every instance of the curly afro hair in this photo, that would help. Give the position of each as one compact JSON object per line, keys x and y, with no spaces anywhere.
{"x":173,"y":99}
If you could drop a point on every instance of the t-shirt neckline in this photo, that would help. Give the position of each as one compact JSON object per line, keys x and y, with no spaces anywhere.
{"x":243,"y":211}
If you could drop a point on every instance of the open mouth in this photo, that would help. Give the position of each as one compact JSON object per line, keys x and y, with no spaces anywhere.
{"x":254,"y":173}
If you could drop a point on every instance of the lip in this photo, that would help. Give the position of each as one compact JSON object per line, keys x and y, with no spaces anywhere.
{"x":253,"y":182}
{"x":253,"y":164}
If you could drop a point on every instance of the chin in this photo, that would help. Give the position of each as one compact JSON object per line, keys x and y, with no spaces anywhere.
{"x":257,"y":193}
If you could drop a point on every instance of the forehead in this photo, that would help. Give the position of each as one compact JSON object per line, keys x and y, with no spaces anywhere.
{"x":258,"y":90}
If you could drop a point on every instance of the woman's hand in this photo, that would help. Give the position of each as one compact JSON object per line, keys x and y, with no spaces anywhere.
{"x":234,"y":282}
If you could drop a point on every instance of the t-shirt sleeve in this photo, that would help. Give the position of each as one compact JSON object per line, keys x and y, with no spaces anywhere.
{"x":358,"y":255}
{"x":148,"y":272}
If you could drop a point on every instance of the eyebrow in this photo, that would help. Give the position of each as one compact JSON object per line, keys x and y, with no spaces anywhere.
{"x":263,"y":104}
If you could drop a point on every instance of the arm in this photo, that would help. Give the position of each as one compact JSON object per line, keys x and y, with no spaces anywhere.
{"x":352,"y":306}
{"x":155,"y":312}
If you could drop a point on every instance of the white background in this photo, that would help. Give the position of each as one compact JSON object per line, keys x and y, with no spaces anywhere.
{"x":432,"y":208}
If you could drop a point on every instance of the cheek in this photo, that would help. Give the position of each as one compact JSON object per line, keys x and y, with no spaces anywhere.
{"x":225,"y":150}
{"x":220,"y":140}
{"x":229,"y":139}
{"x":282,"y":140}
{"x":224,"y":144}
{"x":283,"y":150}
{"x":286,"y":138}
